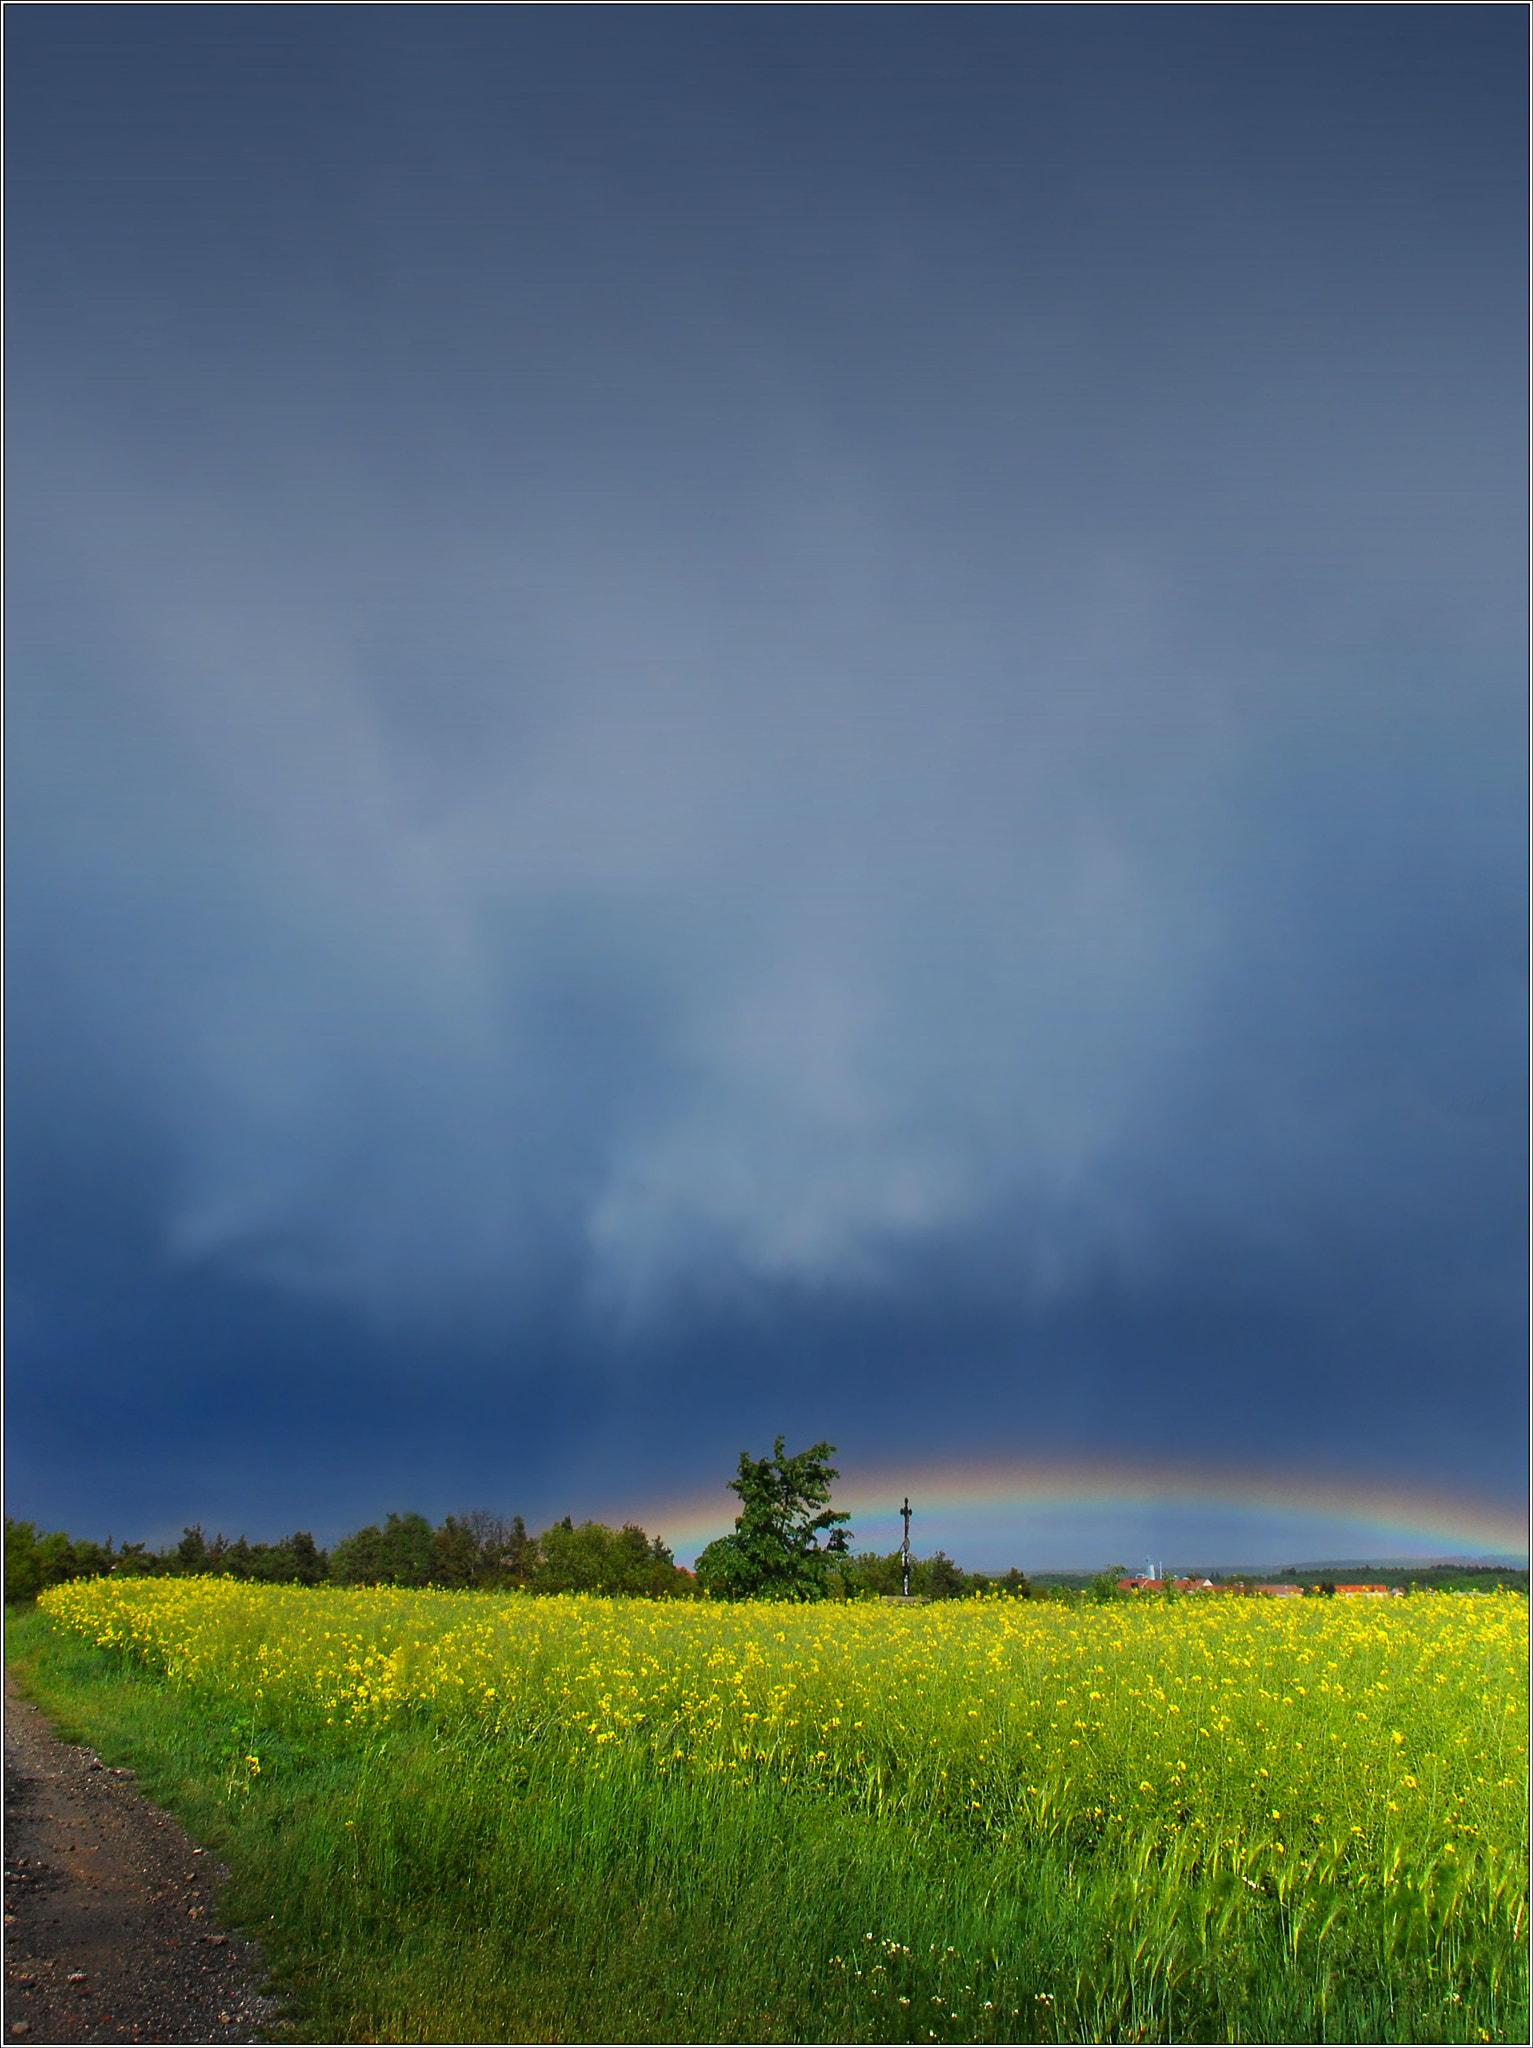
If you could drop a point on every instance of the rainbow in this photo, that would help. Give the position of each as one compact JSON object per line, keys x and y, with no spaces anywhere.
{"x":1072,"y":1512}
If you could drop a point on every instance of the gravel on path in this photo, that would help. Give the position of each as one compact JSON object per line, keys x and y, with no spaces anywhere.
{"x":109,"y":1927}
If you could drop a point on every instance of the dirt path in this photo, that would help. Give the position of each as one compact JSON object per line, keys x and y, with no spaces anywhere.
{"x":109,"y":1930}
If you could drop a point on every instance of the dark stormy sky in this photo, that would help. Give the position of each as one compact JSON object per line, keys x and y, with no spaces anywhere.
{"x":729,"y":720}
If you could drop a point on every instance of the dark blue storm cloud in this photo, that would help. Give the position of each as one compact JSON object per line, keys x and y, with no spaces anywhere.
{"x":741,"y":719}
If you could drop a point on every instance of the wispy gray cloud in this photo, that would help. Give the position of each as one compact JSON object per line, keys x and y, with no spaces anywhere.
{"x":601,"y":742}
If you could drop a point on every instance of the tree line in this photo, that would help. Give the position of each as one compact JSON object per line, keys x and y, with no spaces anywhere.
{"x":788,"y":1543}
{"x":407,"y":1551}
{"x":474,"y":1550}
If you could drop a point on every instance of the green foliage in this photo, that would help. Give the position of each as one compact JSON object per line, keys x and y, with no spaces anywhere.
{"x":477,"y":1550}
{"x":23,"y":1568}
{"x":775,"y":1552}
{"x":870,"y":1575}
{"x":398,"y":1554}
{"x":457,"y":1556}
{"x":295,"y":1561}
{"x":484,"y":1552}
{"x":1014,"y":1584}
{"x":35,"y":1561}
{"x":595,"y":1559}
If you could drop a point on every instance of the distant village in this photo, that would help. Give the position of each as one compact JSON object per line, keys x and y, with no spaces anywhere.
{"x":1275,"y":1592}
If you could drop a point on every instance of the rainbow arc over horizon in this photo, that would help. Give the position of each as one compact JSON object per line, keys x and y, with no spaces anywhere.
{"x":1064,"y":1513}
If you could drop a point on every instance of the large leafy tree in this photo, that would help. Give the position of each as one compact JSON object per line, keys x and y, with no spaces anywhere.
{"x":775,"y":1552}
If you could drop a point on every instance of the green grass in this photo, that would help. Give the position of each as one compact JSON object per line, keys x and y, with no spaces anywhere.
{"x":416,"y":1881}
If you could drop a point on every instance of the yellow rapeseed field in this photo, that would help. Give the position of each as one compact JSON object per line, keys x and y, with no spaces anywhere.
{"x":1262,"y":1730}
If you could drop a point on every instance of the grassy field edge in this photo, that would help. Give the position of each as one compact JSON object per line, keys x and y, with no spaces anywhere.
{"x":417,"y":1882}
